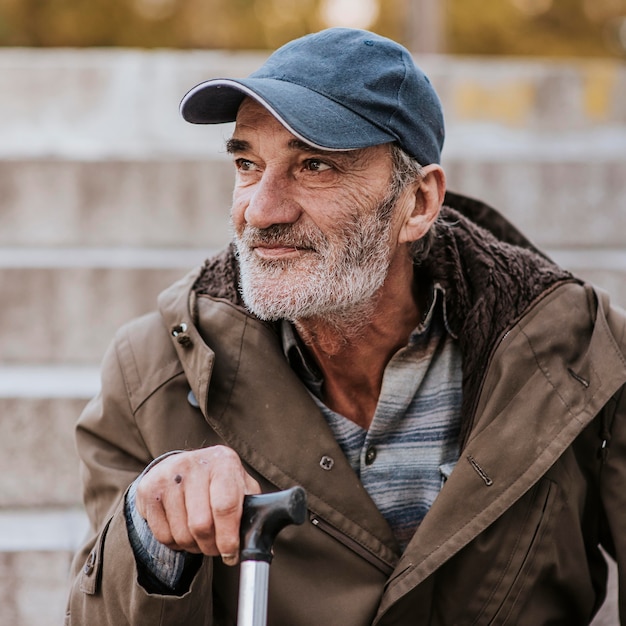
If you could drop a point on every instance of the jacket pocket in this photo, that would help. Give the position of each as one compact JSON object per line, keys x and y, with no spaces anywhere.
{"x":515,"y":545}
{"x":372,"y":558}
{"x":490,"y":581}
{"x":91,"y":572}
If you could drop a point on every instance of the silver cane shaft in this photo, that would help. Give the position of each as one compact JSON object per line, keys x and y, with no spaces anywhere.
{"x":253,"y":582}
{"x":262,"y":518}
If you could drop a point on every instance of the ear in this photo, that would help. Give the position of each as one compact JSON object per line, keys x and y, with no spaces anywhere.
{"x":424,"y":204}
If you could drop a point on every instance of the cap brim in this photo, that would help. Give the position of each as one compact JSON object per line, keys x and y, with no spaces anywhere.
{"x":307,"y":114}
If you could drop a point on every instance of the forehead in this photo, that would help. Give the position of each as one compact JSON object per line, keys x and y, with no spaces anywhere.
{"x":252,"y":114}
{"x":254,"y":119}
{"x":256,"y":122}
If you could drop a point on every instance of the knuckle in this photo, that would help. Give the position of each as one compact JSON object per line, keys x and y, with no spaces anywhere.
{"x":201,"y":529}
{"x":183,"y":539}
{"x":222,"y":454}
{"x":186,"y":543}
{"x":226,"y":507}
{"x":143,"y":488}
{"x":252,"y":485}
{"x":228,"y":544}
{"x":163,"y":535}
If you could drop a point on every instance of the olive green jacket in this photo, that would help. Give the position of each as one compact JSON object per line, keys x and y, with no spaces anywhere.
{"x":513,"y":537}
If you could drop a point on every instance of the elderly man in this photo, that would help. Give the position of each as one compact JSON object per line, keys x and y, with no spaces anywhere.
{"x":451,"y":401}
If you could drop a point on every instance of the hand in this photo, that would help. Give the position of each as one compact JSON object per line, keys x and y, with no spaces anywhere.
{"x":193,"y":500}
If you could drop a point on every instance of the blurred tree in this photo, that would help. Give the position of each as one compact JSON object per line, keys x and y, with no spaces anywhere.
{"x":531,"y":27}
{"x":527,"y":27}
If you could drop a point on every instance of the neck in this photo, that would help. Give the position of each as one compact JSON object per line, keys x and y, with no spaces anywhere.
{"x":352,"y":348}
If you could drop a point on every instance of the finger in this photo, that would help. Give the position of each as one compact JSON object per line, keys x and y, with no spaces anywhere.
{"x":154,"y":514}
{"x":226,"y":495}
{"x":199,"y":514}
{"x":174,"y":506}
{"x":214,"y":501}
{"x":226,"y":546}
{"x":214,"y":504}
{"x":227,"y":521}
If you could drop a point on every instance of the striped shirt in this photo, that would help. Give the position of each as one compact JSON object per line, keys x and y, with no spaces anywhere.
{"x":411,"y":445}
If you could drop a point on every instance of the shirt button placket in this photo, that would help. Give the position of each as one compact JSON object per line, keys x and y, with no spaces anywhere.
{"x":370,"y":455}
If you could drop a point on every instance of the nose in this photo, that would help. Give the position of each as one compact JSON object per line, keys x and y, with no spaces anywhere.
{"x":272,"y":201}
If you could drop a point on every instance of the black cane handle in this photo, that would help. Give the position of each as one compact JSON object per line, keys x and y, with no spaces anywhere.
{"x":264,"y":516}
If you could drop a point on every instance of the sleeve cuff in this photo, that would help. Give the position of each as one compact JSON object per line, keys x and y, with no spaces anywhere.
{"x":164,"y":564}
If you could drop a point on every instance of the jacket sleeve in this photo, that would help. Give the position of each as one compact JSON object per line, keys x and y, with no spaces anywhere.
{"x":105,"y":587}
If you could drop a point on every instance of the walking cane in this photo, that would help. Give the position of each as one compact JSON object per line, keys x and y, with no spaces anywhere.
{"x":264,"y":516}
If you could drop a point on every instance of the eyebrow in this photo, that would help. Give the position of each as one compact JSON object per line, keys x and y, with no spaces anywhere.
{"x":233,"y":146}
{"x":236,"y":146}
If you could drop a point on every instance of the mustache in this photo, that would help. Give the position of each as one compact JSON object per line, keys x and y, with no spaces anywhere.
{"x":288,"y":235}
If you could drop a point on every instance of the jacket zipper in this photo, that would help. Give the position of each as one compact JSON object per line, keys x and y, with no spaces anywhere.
{"x":373,"y":559}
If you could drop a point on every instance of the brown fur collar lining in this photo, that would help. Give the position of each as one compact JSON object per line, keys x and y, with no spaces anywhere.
{"x":489,"y":283}
{"x":490,"y":272}
{"x":220,"y":277}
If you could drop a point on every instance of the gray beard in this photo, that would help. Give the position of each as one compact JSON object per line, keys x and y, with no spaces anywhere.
{"x":333,"y":280}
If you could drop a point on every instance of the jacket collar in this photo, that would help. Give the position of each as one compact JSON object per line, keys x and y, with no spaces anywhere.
{"x":491,"y":276}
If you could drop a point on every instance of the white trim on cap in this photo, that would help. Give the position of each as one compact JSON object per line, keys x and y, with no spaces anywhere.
{"x":249,"y":92}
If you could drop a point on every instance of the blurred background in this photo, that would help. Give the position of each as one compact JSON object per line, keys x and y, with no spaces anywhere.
{"x":487,"y":27}
{"x":106,"y":196}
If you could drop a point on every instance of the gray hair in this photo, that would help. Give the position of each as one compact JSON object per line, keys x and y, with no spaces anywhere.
{"x":406,"y":170}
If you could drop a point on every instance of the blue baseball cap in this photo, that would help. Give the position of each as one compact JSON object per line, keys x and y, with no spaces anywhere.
{"x":338,"y":89}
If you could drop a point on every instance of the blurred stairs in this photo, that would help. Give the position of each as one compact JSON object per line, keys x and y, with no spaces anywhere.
{"x":107,"y":196}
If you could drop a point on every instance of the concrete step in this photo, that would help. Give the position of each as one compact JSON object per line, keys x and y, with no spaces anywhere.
{"x":535,"y":94}
{"x":124,"y":102}
{"x":34,"y":587}
{"x":556,"y":203}
{"x":68,"y":313}
{"x":37,"y":437}
{"x":36,"y":549}
{"x":42,"y":529}
{"x":559,"y":200}
{"x":158,"y":203}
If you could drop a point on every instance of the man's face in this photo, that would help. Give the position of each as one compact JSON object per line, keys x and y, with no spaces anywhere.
{"x":313,"y":229}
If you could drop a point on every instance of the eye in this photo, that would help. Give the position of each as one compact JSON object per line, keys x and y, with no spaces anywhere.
{"x":316,"y":165}
{"x":244,"y":165}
